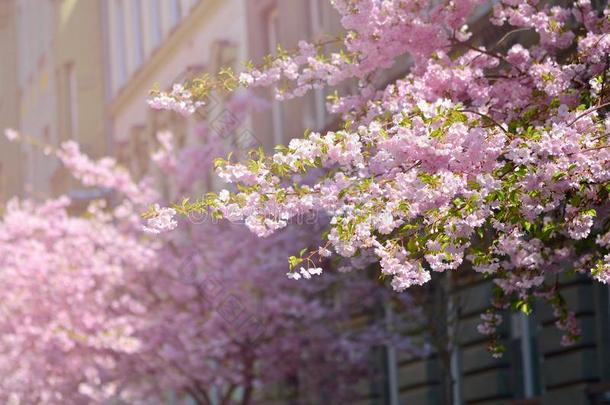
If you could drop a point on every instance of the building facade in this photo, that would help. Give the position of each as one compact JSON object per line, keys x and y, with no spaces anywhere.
{"x":155,"y":44}
{"x":53,"y":89}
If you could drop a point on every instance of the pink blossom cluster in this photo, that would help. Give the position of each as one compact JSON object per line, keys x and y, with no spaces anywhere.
{"x":94,"y":311}
{"x":162,"y":221}
{"x":495,"y":158}
{"x":377,"y":33}
{"x":68,"y":322}
{"x":164,"y":156}
{"x":104,"y":173}
{"x":491,"y":321}
{"x":178,"y":99}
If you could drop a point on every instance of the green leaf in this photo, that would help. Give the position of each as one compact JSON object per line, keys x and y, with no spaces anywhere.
{"x":294,"y":261}
{"x":480,"y":232}
{"x":524,"y":306}
{"x":412,"y":245}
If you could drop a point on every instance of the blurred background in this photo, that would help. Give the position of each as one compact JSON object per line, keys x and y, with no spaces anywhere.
{"x":83,"y":69}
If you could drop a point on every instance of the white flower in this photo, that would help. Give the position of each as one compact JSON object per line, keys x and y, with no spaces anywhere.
{"x":246,"y":79}
{"x":316,"y":271}
{"x":293,"y":275}
{"x":223,"y":196}
{"x":163,"y":221}
{"x":11,"y":134}
{"x":596,"y":85}
{"x":324,"y":252}
{"x":463,"y":34}
{"x":427,"y":109}
{"x":385,"y":222}
{"x":151,"y":230}
{"x":305,"y":273}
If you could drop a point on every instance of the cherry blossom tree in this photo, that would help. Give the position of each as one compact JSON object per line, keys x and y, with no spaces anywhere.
{"x":66,"y":319}
{"x":97,"y":309}
{"x":492,"y":158}
{"x":258,"y":334}
{"x":485,"y":158}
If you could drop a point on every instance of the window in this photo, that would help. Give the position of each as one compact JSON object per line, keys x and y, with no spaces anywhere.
{"x":71,"y":101}
{"x":140,"y":150}
{"x":318,"y":25}
{"x":602,"y":310}
{"x":523,"y":342}
{"x":272,"y":24}
{"x":3,"y":90}
{"x":46,"y":136}
{"x":316,"y":14}
{"x":2,"y":183}
{"x":137,"y":31}
{"x":320,"y":108}
{"x":155,"y":22}
{"x":455,"y":361}
{"x":391,"y":362}
{"x":120,"y":44}
{"x":23,"y":50}
{"x":176,"y":12}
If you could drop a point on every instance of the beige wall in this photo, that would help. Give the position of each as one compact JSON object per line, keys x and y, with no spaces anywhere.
{"x":36,"y":22}
{"x":11,"y":158}
{"x":79,"y":47}
{"x":79,"y":76}
{"x":60,"y":86}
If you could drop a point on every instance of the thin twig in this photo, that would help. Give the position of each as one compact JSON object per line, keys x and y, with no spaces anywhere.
{"x":487,"y":117}
{"x":592,"y":110}
{"x":505,"y":37}
{"x":493,"y":55}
